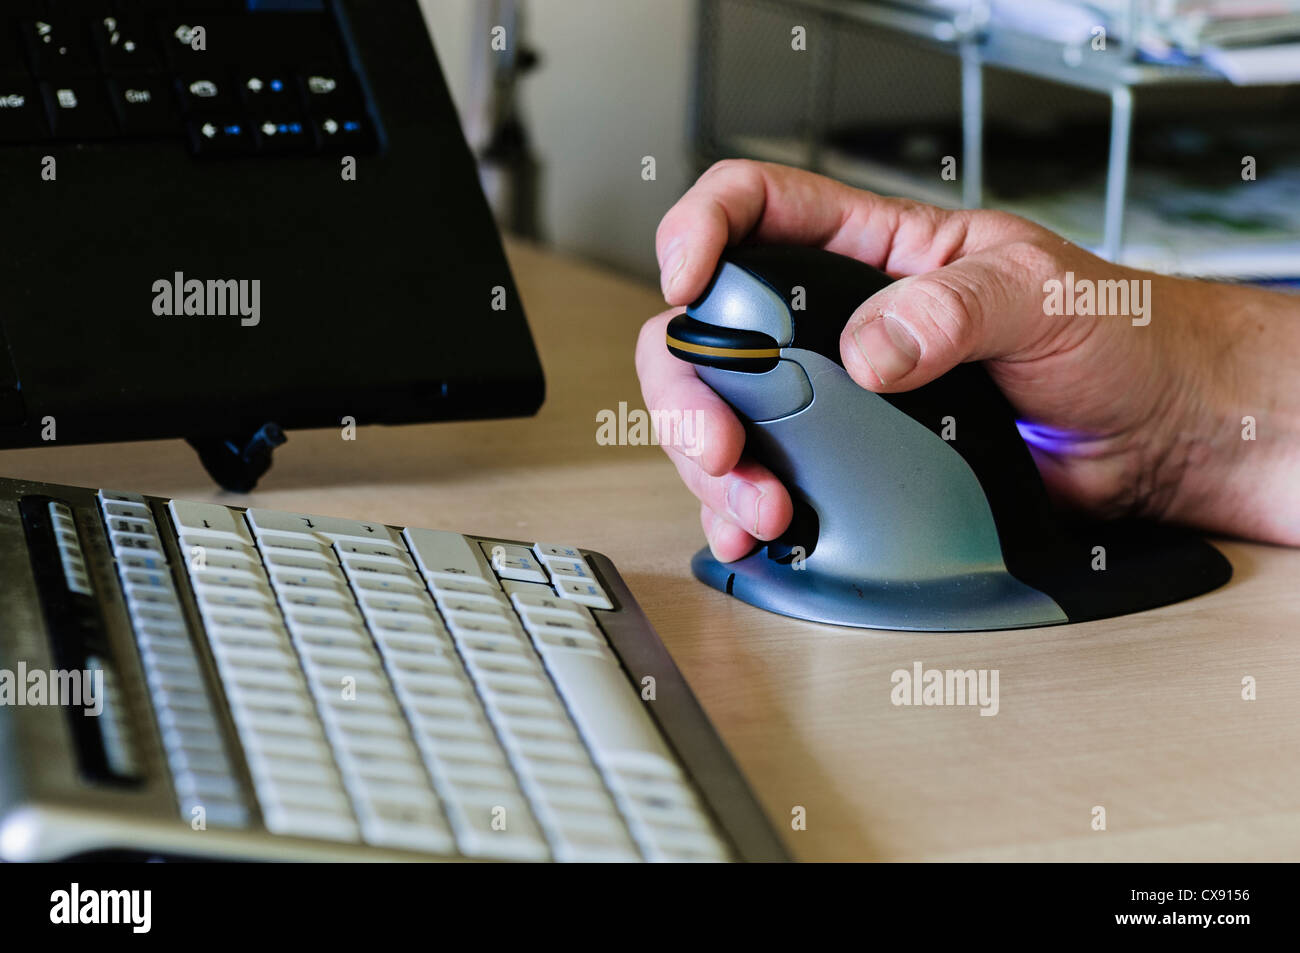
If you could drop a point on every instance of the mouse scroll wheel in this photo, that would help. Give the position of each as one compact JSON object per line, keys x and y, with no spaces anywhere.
{"x":732,"y":349}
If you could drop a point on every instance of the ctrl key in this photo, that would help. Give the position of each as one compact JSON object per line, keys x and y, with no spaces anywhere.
{"x":21,"y":116}
{"x":221,"y":137}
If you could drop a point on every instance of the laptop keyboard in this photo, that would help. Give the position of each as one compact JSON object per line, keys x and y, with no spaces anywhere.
{"x":412,"y":689}
{"x":229,"y":77}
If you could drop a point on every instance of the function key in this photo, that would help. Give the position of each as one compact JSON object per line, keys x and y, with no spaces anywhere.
{"x":57,"y":45}
{"x":144,"y":105}
{"x":79,"y":109}
{"x":21,"y":116}
{"x":221,"y":137}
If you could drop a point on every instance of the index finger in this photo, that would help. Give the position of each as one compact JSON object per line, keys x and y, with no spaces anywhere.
{"x":737,"y":198}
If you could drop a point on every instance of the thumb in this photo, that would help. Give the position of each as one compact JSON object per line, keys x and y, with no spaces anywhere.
{"x":985,"y":305}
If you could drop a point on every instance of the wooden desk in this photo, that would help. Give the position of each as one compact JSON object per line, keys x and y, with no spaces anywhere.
{"x":1141,"y":715}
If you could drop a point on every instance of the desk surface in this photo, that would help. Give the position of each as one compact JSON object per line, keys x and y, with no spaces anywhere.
{"x":1140,"y":715}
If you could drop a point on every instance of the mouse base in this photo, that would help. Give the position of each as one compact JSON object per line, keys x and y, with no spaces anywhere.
{"x":1149,"y":566}
{"x":969,"y":603}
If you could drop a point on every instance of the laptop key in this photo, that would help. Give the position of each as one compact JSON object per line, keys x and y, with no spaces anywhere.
{"x":22,"y":117}
{"x":124,"y":44}
{"x":79,"y":108}
{"x":269,"y":92}
{"x":211,"y":91}
{"x":221,"y":137}
{"x":57,"y":46}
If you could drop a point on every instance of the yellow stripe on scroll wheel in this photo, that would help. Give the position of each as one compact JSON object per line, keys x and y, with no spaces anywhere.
{"x":708,"y":350}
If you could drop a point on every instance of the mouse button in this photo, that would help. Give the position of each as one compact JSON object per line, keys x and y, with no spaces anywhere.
{"x":780,"y":392}
{"x":737,"y":299}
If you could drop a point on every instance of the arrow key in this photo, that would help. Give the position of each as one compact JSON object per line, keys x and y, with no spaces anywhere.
{"x":221,"y":136}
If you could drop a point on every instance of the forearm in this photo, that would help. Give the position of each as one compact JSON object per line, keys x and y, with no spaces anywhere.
{"x":1241,"y":456}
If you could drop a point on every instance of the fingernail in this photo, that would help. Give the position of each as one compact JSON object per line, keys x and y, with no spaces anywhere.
{"x":674,"y":262}
{"x":888,"y":346}
{"x":744,"y":501}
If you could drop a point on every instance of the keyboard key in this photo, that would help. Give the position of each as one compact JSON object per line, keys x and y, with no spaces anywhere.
{"x":79,"y":108}
{"x":57,"y":46}
{"x":331,"y":92}
{"x":609,"y":713}
{"x":305,"y":822}
{"x":589,"y":593}
{"x":547,"y":606}
{"x":386,"y":823}
{"x":221,"y":137}
{"x":548,"y":551}
{"x":209,"y":518}
{"x":125,"y":44}
{"x":344,"y":132}
{"x":210,"y":92}
{"x":269,"y":93}
{"x":200,"y":39}
{"x":443,"y":554}
{"x":22,"y":116}
{"x":513,"y":562}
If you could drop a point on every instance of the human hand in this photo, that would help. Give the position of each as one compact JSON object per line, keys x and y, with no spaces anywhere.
{"x":1138,"y":413}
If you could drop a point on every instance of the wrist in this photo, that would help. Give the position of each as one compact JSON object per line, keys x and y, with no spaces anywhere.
{"x":1236,"y":443}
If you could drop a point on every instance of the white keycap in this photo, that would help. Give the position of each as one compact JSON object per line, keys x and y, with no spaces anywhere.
{"x":519,"y":840}
{"x":548,"y":551}
{"x":328,"y":528}
{"x":305,"y":823}
{"x":468,"y":587}
{"x":405,"y":827}
{"x":471,"y":607}
{"x":569,"y":569}
{"x":443,"y":554}
{"x":208,"y":518}
{"x":355,"y":547}
{"x":386,"y":582}
{"x":549,"y":605}
{"x":514,"y":562}
{"x":589,"y":593}
{"x":550,"y":641}
{"x":609,"y":713}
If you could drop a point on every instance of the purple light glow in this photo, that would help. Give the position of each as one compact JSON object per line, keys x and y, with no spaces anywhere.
{"x":1050,"y":439}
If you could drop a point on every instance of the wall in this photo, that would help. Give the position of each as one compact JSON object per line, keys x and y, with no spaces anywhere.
{"x":613,"y":86}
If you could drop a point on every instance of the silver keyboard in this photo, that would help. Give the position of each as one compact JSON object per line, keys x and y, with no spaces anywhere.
{"x":411,"y":689}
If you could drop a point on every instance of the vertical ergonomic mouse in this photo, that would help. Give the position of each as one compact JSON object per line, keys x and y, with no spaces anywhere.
{"x":922,"y":510}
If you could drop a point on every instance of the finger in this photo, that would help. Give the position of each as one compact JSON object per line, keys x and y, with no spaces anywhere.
{"x":987,"y":305}
{"x":749,"y":497}
{"x":738,"y":198}
{"x":727,"y":541}
{"x":707,"y":432}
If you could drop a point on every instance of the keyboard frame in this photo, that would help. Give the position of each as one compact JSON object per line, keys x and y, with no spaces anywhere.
{"x":50,"y":811}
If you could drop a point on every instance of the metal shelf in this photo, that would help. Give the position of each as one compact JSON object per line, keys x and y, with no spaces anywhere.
{"x":1114,"y":72}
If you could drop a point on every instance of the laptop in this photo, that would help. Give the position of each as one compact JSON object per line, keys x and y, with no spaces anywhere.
{"x":230,"y":218}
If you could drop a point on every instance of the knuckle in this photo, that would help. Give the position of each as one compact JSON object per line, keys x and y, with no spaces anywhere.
{"x":1032,"y":258}
{"x":947,"y":307}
